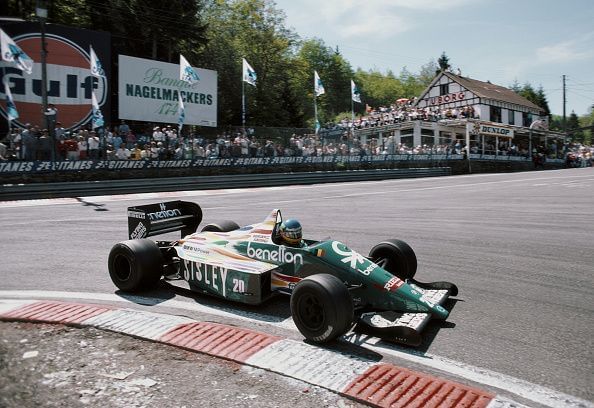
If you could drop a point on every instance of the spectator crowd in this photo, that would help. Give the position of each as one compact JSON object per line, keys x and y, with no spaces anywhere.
{"x":404,"y":111}
{"x":164,"y":143}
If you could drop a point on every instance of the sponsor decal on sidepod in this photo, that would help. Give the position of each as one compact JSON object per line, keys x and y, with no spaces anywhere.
{"x":280,"y":255}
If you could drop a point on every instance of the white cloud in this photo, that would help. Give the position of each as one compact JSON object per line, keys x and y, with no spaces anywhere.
{"x":371,"y":24}
{"x":430,"y":5}
{"x":352,"y":18}
{"x":561,"y":52}
{"x":577,"y":49}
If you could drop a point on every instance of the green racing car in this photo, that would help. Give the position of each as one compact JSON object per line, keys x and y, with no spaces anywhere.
{"x":332,"y":288}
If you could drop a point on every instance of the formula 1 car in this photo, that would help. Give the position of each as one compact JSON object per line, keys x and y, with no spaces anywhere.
{"x":333,"y":289}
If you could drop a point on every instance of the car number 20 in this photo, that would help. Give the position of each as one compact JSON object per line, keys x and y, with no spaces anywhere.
{"x":238,"y":286}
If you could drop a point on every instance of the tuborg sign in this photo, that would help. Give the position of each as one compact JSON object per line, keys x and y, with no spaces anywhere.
{"x":148,"y":91}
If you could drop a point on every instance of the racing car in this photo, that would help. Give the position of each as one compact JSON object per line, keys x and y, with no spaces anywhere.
{"x":332,"y":288}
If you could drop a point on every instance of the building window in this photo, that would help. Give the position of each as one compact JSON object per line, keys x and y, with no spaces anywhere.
{"x":495,"y":114}
{"x":526,"y":119}
{"x":444,"y":89}
{"x":511,"y":117}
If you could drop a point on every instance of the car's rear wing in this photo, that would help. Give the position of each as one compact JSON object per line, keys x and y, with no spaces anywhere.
{"x":155,"y":219}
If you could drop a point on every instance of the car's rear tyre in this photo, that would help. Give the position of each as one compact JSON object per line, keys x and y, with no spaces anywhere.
{"x":396,"y":257}
{"x":322,"y":308}
{"x":135,"y":265}
{"x":222,"y":226}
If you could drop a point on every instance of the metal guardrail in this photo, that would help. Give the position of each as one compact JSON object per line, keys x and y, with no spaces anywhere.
{"x":126,"y":186}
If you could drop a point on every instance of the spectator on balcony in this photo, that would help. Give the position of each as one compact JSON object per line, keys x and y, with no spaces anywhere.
{"x":82,"y":147}
{"x":123,"y":129}
{"x":158,"y":134}
{"x":110,"y":152}
{"x":45,"y":146}
{"x":28,"y":143}
{"x":117,"y":141}
{"x":71,"y":147}
{"x":136,"y":152}
{"x":122,"y":153}
{"x":93,"y":145}
{"x":130,"y":139}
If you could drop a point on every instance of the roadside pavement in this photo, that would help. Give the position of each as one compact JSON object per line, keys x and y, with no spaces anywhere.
{"x":52,"y":365}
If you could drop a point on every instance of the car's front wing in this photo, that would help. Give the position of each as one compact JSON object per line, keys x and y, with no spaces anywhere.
{"x":400,"y":327}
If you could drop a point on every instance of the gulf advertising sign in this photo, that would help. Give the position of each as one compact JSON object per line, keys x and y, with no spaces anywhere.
{"x":69,"y":79}
{"x":148,"y":91}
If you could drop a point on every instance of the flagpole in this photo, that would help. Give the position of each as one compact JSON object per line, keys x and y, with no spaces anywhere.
{"x":315,"y":113}
{"x":243,"y":103}
{"x":4,"y":79}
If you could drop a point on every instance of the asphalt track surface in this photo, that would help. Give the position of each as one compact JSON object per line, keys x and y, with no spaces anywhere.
{"x":519,"y":246}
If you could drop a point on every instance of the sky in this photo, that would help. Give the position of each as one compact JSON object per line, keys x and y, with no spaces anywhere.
{"x":534,"y":41}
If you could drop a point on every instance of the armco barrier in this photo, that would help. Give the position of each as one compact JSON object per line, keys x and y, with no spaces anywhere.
{"x":90,"y":188}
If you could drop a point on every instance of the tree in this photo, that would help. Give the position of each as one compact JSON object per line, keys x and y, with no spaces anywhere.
{"x":573,"y":124}
{"x":254,"y":30}
{"x":122,"y":18}
{"x":516,"y":86}
{"x":412,"y":84}
{"x":335,"y":73}
{"x":541,"y":100}
{"x":588,"y":120}
{"x":537,"y":97}
{"x":427,"y":74}
{"x":379,"y":89}
{"x":444,"y":62}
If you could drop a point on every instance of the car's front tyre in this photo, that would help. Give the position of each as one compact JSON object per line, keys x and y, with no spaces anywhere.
{"x":322,"y":308}
{"x":396,"y":257}
{"x":135,"y":265}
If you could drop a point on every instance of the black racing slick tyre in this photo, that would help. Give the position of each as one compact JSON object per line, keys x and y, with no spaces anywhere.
{"x":396,"y":257}
{"x":222,"y":226}
{"x":322,"y":308}
{"x":135,"y":265}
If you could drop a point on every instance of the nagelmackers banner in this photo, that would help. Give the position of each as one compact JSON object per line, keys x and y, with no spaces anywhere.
{"x":148,"y":91}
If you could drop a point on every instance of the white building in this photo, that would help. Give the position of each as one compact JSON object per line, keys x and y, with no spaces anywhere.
{"x":491,"y":103}
{"x":499,"y":118}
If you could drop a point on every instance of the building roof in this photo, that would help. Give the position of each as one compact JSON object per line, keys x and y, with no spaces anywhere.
{"x":488,"y":90}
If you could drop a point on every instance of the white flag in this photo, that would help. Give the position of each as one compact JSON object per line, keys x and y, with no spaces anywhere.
{"x":13,"y":53}
{"x":182,"y":112}
{"x":11,"y":109}
{"x":355,"y":93}
{"x":97,"y":118}
{"x":249,"y":75}
{"x":186,"y":72}
{"x":96,"y":67}
{"x":318,"y":86}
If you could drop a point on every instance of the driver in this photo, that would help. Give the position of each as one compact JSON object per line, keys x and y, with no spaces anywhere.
{"x":290,"y":233}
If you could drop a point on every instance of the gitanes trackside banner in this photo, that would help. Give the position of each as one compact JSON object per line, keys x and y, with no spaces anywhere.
{"x":148,"y":91}
{"x":39,"y":166}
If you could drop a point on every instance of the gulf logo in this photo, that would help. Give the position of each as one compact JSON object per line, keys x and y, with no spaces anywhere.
{"x":69,"y":82}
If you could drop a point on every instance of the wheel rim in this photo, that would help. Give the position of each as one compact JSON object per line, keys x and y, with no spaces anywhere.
{"x":311,"y":312}
{"x":122,"y":268}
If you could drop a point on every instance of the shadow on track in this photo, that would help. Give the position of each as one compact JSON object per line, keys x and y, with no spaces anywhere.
{"x":98,"y":207}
